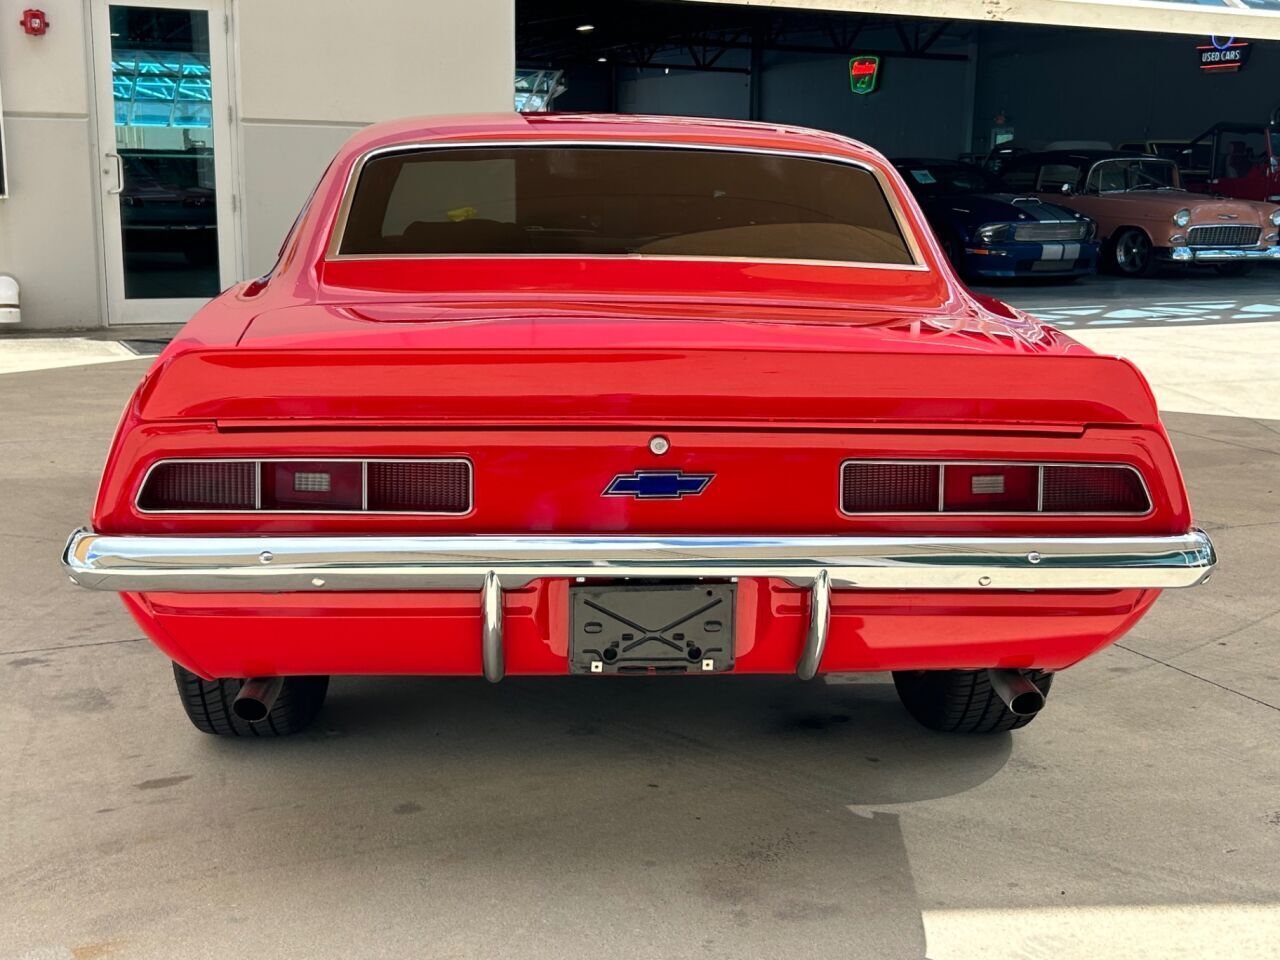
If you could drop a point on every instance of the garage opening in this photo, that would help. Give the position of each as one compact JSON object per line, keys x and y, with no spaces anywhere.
{"x":1058,"y":122}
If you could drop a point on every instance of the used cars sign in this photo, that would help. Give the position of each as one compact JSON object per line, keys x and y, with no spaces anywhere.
{"x":1226,"y":56}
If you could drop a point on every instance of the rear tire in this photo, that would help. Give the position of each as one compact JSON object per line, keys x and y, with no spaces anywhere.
{"x":961,"y":701}
{"x":208,"y":705}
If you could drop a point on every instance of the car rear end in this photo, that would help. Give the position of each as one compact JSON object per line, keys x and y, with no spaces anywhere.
{"x":771,"y":441}
{"x":932,"y":508}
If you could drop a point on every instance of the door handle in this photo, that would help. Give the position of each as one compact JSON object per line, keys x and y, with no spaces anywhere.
{"x":119,"y":187}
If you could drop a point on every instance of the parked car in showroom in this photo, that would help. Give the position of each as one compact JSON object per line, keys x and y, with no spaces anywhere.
{"x":1242,"y":160}
{"x":1192,"y":158}
{"x":1144,"y":215}
{"x":989,"y":232}
{"x":628,"y":397}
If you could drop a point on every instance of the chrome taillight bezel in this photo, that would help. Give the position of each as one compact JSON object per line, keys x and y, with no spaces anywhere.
{"x":938,"y":511}
{"x":259,"y":510}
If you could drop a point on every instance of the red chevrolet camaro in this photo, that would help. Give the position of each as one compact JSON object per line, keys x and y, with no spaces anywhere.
{"x":602,"y":395}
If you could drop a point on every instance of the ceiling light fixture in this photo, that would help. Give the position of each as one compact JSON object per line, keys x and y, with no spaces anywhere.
{"x":585,"y":27}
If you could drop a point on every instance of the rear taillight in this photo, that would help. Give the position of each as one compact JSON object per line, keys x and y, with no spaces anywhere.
{"x":1078,"y":489}
{"x":879,"y":487}
{"x":437,"y":486}
{"x":204,"y":485}
{"x":398,"y":486}
{"x":888,"y":487}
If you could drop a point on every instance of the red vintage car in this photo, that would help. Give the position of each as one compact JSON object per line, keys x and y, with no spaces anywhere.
{"x":608,"y":396}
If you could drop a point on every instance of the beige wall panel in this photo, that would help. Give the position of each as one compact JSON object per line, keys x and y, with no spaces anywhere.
{"x":340,"y":62}
{"x":48,"y":232}
{"x":282,"y":163}
{"x":44,"y":74}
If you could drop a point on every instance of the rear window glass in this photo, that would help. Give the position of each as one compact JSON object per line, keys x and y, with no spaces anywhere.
{"x":617,"y":201}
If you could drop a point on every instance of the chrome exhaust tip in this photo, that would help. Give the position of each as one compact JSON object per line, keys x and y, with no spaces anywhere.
{"x":256,"y":698}
{"x":1019,"y":694}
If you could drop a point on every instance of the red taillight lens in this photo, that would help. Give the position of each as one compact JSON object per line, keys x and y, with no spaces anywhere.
{"x":1103,"y":489}
{"x":438,"y":486}
{"x":870,"y":487}
{"x":882,"y":486}
{"x":442,"y":486}
{"x":200,"y":485}
{"x":993,"y":488}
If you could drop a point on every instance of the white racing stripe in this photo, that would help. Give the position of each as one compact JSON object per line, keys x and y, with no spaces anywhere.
{"x":1195,"y":931}
{"x":1230,"y":369}
{"x":24,"y":355}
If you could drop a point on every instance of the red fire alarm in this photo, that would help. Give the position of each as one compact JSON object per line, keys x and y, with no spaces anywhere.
{"x":34,"y":22}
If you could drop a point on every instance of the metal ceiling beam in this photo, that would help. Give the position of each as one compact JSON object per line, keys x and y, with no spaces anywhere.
{"x":701,"y":32}
{"x":1178,"y":18}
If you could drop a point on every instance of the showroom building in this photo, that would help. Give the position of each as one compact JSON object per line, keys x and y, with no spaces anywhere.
{"x":155,"y":152}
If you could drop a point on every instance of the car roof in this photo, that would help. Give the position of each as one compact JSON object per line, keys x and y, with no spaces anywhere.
{"x":657,"y":130}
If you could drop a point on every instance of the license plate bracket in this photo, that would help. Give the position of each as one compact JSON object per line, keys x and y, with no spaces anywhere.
{"x":651,"y":628}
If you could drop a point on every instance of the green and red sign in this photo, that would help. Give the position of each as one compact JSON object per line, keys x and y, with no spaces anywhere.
{"x":864,"y":74}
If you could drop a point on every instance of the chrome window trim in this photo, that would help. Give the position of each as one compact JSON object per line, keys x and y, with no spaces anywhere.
{"x":339,"y":227}
{"x":364,"y":487}
{"x":1177,"y":174}
{"x":1038,"y":512}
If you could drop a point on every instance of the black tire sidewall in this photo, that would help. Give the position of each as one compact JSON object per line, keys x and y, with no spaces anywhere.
{"x":1148,"y":266}
{"x":208,"y":705}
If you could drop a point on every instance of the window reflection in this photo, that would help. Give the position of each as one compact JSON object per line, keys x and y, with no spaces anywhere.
{"x":163,"y":98}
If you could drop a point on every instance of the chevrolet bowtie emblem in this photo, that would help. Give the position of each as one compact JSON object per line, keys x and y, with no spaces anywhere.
{"x":658,"y":484}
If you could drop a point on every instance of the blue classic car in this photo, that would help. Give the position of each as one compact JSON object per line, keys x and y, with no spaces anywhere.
{"x":989,"y":232}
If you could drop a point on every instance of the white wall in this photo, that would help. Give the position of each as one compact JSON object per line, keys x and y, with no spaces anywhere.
{"x":307,"y":75}
{"x":48,"y":231}
{"x":311,"y":74}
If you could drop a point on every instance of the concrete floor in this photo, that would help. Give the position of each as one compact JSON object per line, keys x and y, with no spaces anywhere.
{"x":748,"y":818}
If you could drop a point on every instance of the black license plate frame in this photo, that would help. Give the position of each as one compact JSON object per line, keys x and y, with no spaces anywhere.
{"x":665,"y":627}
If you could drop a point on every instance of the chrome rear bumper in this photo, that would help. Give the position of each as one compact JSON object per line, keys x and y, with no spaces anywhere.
{"x":491,"y":564}
{"x":274,"y":564}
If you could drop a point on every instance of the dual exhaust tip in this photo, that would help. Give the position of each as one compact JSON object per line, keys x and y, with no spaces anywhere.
{"x":258,"y":695}
{"x":256,"y":698}
{"x":1019,"y":694}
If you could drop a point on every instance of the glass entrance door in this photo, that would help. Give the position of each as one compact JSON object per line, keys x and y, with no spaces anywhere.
{"x":164,"y":156}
